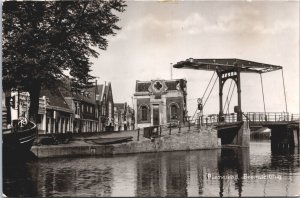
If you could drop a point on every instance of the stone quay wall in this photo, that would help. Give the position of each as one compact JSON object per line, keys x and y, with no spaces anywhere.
{"x":205,"y":138}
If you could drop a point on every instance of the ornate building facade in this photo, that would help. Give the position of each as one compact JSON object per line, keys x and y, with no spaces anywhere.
{"x":160,"y":102}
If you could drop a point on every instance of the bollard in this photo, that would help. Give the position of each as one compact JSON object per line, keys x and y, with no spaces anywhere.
{"x":170,"y":129}
{"x":179,"y":129}
{"x":138,"y":136}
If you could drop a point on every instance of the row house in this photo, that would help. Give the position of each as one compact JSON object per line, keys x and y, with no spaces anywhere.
{"x":84,"y":108}
{"x":64,"y":109}
{"x":105,"y":103}
{"x":54,"y":115}
{"x":124,"y":117}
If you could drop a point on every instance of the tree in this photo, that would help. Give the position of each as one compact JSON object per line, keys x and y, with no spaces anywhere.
{"x":41,"y":40}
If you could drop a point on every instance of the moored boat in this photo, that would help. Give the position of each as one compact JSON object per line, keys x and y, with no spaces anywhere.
{"x":18,"y":133}
{"x":18,"y":139}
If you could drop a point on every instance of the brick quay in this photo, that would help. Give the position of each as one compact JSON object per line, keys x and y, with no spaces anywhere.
{"x":180,"y":139}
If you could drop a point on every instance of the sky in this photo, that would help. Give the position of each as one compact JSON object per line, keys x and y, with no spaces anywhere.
{"x":155,"y":35}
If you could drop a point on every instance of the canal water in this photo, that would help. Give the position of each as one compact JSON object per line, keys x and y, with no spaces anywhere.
{"x":228,"y":172}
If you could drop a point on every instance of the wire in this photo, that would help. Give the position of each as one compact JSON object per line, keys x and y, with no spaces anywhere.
{"x":263,"y":94}
{"x":230,"y":99}
{"x":210,"y":92}
{"x":284,"y":90}
{"x":227,"y":95}
{"x":208,"y":84}
{"x":205,"y":92}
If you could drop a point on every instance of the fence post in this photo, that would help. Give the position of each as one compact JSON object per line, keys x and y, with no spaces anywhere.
{"x":138,"y":136}
{"x":199,"y":122}
{"x":292,"y":118}
{"x":179,"y":128}
{"x":206,"y":121}
{"x":189,"y":125}
{"x":170,"y":129}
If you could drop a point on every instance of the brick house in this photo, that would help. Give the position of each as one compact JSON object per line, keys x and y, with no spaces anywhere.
{"x":160,"y":102}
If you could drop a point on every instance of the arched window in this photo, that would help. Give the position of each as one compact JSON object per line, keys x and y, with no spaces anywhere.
{"x":144,"y":112}
{"x":174,"y":111}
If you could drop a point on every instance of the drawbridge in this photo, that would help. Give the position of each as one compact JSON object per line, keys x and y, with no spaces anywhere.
{"x":234,"y":128}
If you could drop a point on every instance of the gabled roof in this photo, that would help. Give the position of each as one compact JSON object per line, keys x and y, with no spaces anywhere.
{"x":56,"y":98}
{"x":85,"y":95}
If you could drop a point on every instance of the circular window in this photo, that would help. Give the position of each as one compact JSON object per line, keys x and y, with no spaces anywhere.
{"x":157,"y":86}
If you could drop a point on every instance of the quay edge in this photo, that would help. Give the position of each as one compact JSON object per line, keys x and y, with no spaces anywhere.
{"x":205,"y":138}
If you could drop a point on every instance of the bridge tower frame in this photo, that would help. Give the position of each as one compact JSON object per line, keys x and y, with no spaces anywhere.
{"x":223,"y":75}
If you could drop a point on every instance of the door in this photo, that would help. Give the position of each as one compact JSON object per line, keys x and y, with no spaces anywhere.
{"x":155,"y":115}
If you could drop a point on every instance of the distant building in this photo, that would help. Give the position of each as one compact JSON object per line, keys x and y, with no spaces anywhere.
{"x":160,"y":102}
{"x":105,"y":102}
{"x":124,"y":117}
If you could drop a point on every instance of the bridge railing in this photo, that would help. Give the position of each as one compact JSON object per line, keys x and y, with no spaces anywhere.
{"x":252,"y":117}
{"x":272,"y":117}
{"x":212,"y":119}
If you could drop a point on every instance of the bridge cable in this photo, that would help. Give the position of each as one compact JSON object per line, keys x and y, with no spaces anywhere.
{"x":208,"y":84}
{"x":210,"y":92}
{"x":262,"y":90}
{"x":284,"y":90}
{"x":204,"y":92}
{"x":230,"y":99}
{"x":227,"y":95}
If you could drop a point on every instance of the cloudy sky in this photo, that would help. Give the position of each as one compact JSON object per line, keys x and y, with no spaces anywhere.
{"x":155,"y":35}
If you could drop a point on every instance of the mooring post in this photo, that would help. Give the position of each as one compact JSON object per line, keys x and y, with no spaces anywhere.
{"x":138,"y":136}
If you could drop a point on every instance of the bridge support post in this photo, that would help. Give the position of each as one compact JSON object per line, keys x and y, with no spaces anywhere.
{"x":284,"y":136}
{"x":236,"y":134}
{"x":243,"y":135}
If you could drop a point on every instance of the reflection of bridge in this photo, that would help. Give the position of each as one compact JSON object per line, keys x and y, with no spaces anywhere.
{"x":234,"y":128}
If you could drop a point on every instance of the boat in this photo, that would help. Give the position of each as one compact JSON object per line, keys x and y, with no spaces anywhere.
{"x":107,"y":141}
{"x":18,"y":133}
{"x":18,"y":139}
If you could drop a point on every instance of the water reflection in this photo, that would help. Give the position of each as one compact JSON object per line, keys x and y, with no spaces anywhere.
{"x":226,"y":172}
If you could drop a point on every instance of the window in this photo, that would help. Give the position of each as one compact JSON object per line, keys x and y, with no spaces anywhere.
{"x":174,"y":111}
{"x":144,"y":112}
